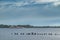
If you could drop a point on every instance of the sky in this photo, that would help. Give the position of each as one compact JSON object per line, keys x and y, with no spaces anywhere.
{"x":30,"y":12}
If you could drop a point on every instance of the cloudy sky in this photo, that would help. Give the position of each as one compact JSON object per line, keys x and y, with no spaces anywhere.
{"x":33,"y":12}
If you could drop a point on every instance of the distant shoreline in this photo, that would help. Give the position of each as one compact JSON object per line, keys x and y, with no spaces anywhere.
{"x":38,"y":27}
{"x":26,"y":26}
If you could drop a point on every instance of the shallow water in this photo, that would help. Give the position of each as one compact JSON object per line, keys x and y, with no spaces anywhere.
{"x":30,"y":34}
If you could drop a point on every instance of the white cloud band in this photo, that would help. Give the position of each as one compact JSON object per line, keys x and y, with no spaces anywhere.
{"x":23,"y":3}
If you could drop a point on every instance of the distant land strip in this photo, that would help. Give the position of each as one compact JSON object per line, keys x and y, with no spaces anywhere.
{"x":26,"y":26}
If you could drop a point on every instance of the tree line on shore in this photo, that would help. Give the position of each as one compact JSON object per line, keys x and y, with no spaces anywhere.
{"x":15,"y":26}
{"x":26,"y":26}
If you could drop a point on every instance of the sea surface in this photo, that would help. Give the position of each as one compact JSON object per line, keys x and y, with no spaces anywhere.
{"x":29,"y":33}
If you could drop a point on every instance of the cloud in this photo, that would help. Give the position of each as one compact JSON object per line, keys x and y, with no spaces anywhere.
{"x":46,"y":0}
{"x":56,"y":4}
{"x":29,"y":2}
{"x":19,"y":13}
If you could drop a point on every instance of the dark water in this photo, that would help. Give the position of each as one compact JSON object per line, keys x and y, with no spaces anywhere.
{"x":30,"y":34}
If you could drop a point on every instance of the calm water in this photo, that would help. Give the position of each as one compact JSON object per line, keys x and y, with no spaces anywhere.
{"x":30,"y":34}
